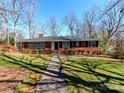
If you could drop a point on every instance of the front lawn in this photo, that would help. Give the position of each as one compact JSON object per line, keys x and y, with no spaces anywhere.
{"x":93,"y":75}
{"x":24,"y":60}
{"x":20,"y":72}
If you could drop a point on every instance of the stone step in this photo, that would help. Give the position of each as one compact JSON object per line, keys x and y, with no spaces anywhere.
{"x":52,"y":81}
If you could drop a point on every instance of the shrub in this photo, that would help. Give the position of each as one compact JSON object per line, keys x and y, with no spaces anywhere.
{"x":118,"y":53}
{"x":49,"y":51}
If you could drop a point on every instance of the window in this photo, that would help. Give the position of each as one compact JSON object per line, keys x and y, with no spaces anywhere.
{"x":91,"y":44}
{"x":83,"y":44}
{"x":36,"y":45}
{"x":77,"y":43}
{"x":65,"y":44}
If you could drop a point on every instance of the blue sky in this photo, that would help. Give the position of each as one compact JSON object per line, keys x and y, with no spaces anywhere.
{"x":59,"y":8}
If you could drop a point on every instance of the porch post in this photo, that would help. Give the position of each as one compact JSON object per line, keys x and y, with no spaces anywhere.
{"x":52,"y":45}
{"x":58,"y":45}
{"x":21,"y":45}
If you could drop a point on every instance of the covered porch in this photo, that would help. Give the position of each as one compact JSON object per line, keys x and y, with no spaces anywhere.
{"x":75,"y":45}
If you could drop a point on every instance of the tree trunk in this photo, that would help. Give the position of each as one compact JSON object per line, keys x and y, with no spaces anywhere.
{"x":7,"y":31}
{"x":14,"y":13}
{"x":29,"y":25}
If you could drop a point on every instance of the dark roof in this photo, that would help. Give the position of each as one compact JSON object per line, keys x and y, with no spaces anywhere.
{"x":57,"y":38}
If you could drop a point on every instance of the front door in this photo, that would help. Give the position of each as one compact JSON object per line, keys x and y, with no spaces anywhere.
{"x":66,"y":44}
{"x":56,"y":46}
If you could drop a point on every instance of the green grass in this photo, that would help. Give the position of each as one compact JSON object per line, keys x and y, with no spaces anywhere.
{"x":84,"y":75}
{"x":26,"y":61}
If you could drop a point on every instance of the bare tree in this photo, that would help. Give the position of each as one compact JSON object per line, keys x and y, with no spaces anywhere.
{"x":34,"y":31}
{"x":101,"y":30}
{"x":2,"y":32}
{"x":111,"y":5}
{"x":54,"y":28}
{"x":70,"y":22}
{"x":83,"y":30}
{"x":5,"y":16}
{"x":17,"y":7}
{"x":89,"y":22}
{"x":79,"y":30}
{"x":15,"y":14}
{"x":31,"y":9}
{"x":20,"y":35}
{"x":113,"y":22}
{"x":43,"y":28}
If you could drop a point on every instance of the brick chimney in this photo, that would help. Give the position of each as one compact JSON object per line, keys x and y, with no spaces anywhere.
{"x":40,"y":35}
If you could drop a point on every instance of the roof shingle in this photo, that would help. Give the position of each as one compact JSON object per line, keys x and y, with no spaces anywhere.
{"x":57,"y":38}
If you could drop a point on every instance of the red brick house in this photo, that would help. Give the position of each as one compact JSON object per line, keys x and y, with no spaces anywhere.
{"x":60,"y":43}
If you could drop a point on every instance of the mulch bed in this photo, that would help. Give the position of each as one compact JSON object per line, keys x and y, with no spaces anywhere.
{"x":10,"y":78}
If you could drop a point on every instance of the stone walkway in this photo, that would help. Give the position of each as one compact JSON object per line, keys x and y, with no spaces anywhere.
{"x":52,"y":81}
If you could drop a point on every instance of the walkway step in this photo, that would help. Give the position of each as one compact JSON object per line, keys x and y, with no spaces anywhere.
{"x":52,"y":81}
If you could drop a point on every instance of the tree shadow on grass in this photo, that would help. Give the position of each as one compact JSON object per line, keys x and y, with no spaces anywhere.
{"x":42,"y":57}
{"x":29,"y":66}
{"x":26,"y":65}
{"x":73,"y":79}
{"x":35,"y":68}
{"x":94,"y":65}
